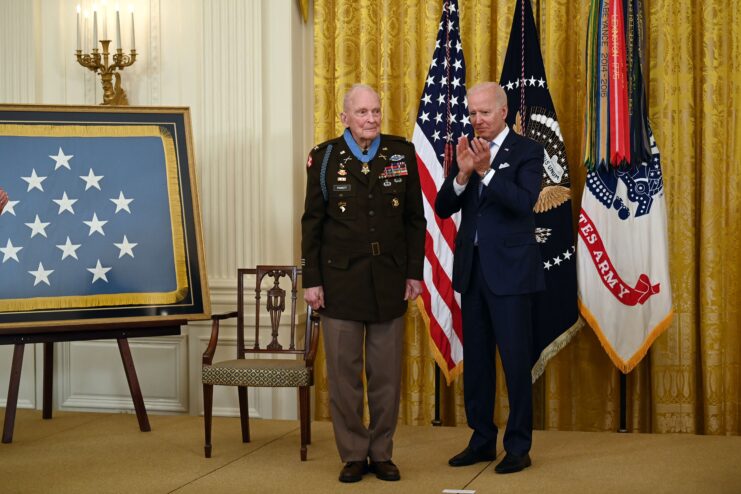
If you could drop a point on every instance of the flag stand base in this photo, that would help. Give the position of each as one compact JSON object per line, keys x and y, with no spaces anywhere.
{"x":436,"y":421}
{"x":623,"y":403}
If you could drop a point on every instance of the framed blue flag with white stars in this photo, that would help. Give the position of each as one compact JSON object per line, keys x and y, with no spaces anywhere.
{"x":103,"y":218}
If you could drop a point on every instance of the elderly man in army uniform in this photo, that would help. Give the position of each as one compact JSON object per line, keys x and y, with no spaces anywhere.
{"x":363,"y":233}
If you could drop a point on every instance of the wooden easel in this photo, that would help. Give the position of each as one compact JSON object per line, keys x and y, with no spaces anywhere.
{"x":48,"y":336}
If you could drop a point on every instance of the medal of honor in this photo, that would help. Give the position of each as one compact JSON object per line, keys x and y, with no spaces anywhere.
{"x":365,"y":170}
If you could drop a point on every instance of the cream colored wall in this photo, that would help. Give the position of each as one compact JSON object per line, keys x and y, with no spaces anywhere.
{"x":244,"y":68}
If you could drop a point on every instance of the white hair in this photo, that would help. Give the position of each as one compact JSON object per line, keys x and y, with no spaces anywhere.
{"x":356,"y":87}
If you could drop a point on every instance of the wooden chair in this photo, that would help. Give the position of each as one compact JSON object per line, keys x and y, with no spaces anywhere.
{"x":264,"y":372}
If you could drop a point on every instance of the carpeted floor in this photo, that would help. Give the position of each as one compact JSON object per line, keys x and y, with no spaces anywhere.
{"x":101,"y":453}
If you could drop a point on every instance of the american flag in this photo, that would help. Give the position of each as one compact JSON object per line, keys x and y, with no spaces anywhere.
{"x":89,"y":222}
{"x":441,"y":120}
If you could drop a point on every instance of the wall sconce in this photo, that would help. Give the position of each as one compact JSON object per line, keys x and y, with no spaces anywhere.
{"x":98,"y":60}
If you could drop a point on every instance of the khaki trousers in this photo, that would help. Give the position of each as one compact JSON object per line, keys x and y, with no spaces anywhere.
{"x":343,"y":344}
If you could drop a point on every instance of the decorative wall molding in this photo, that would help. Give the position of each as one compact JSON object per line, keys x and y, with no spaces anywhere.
{"x":17,"y":52}
{"x":154,"y":69}
{"x":91,"y":374}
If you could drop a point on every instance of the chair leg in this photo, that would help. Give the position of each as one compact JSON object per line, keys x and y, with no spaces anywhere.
{"x":308,"y":415}
{"x":208,"y":399}
{"x":244,"y":415}
{"x":303,"y":398}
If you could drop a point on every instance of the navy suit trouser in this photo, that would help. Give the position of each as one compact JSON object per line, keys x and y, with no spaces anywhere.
{"x":491,"y":321}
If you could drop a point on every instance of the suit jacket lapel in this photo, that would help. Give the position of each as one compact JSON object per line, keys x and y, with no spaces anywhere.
{"x":505,"y":150}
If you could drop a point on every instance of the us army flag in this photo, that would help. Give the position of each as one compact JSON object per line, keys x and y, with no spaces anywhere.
{"x":622,"y":249}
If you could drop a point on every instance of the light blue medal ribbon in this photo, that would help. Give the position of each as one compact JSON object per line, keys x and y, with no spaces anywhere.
{"x":357,"y":152}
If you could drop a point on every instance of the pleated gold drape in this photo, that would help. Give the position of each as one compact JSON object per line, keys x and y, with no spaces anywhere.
{"x":691,"y":379}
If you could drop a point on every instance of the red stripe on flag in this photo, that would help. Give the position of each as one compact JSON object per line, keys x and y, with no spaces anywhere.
{"x":429,"y":189}
{"x":619,"y":124}
{"x":443,"y":282}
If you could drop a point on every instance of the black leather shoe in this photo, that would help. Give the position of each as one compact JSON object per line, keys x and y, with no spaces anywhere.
{"x":512,"y":463}
{"x":353,"y":471}
{"x":385,"y":470}
{"x":470,"y":456}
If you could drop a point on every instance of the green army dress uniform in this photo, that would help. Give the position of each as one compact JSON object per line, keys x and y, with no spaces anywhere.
{"x":367,"y":238}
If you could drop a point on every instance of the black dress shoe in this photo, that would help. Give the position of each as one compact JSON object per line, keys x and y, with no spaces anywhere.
{"x":512,"y":463}
{"x":353,"y":471}
{"x":470,"y":456}
{"x":385,"y":470}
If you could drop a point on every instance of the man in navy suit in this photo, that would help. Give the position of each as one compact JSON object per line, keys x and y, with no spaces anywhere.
{"x":495,"y":181}
{"x":3,"y":199}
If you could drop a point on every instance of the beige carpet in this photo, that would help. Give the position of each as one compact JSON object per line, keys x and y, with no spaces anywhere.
{"x":102,"y":453}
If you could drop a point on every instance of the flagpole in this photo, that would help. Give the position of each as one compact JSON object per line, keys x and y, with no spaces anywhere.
{"x":623,"y":403}
{"x":436,"y":421}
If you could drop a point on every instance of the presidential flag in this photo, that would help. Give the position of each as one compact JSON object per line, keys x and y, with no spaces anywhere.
{"x":441,"y":120}
{"x":93,"y":218}
{"x":532,"y":114}
{"x":623,"y":262}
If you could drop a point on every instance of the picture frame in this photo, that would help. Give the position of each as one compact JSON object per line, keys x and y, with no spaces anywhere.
{"x":103,"y":225}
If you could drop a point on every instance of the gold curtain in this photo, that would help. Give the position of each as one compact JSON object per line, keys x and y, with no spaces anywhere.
{"x":691,"y":379}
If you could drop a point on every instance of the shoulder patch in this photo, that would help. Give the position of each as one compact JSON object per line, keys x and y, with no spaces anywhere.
{"x":319,"y":148}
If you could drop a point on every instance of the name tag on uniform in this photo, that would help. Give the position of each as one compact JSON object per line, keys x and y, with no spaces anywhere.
{"x":342,"y":187}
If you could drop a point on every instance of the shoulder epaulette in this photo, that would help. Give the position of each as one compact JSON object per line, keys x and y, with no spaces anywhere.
{"x":324,"y":144}
{"x":393,"y":137}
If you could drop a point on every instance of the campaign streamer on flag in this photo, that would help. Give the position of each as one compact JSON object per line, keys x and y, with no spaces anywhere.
{"x":532,"y":114}
{"x":441,"y":120}
{"x":91,"y":220}
{"x":623,"y":261}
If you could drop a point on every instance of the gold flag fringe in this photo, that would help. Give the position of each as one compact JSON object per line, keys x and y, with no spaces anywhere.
{"x":556,"y":346}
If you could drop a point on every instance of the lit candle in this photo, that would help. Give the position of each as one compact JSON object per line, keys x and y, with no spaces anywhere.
{"x":118,"y":29}
{"x":133,"y":40}
{"x":95,"y":26}
{"x":79,"y":46}
{"x":105,"y":18}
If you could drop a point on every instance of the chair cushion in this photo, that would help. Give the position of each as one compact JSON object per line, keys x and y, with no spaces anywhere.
{"x":258,"y":372}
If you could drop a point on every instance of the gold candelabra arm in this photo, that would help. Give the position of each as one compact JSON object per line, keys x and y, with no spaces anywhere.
{"x":89,"y":60}
{"x":121,"y":60}
{"x":98,"y":63}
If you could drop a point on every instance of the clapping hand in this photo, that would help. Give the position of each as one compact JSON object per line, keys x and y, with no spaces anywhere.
{"x":472,"y":156}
